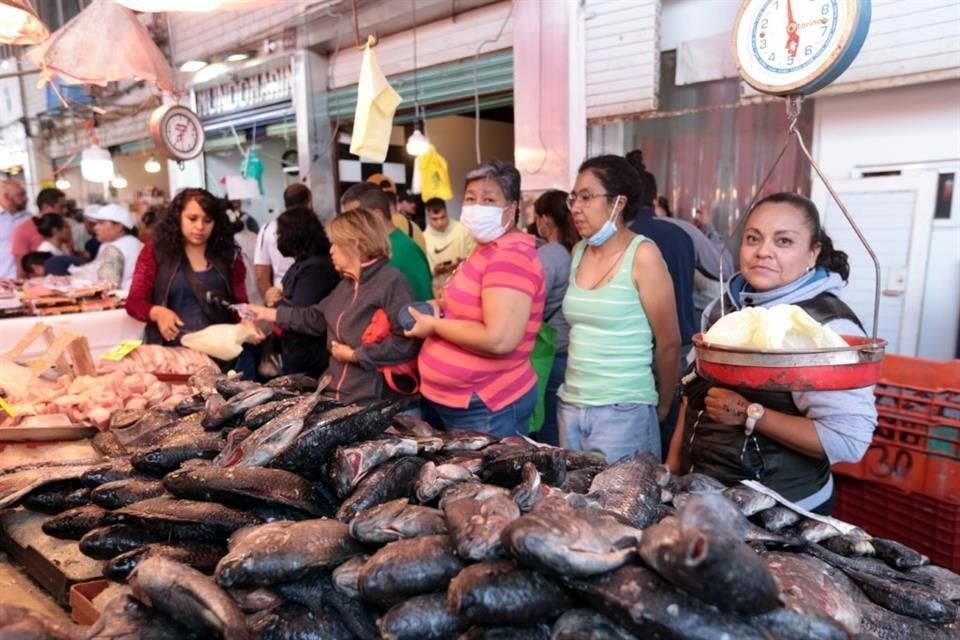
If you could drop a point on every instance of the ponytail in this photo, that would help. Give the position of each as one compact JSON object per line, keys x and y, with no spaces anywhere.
{"x":833,"y":259}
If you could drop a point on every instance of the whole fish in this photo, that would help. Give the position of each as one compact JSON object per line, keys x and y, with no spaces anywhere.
{"x":352,"y":463}
{"x":317,"y":593}
{"x":493,"y":593}
{"x":407,"y":568}
{"x":750,"y":501}
{"x":414,"y":426}
{"x":14,"y":486}
{"x":815,"y":531}
{"x":648,"y":606}
{"x":433,"y":479}
{"x":323,"y":435}
{"x":897,"y":555}
{"x":120,"y":493}
{"x":567,"y":542}
{"x":57,"y":497}
{"x":239,"y":404}
{"x":906,"y":598}
{"x":258,"y":416}
{"x":631,"y":488}
{"x":275,"y":437}
{"x":391,"y":480}
{"x":18,"y":623}
{"x":851,"y":545}
{"x":786,"y":624}
{"x":187,"y":595}
{"x":296,"y":382}
{"x":74,"y":523}
{"x":943,"y":581}
{"x":169,"y":455}
{"x":254,"y":600}
{"x":118,"y":468}
{"x":870,"y":566}
{"x":232,"y":386}
{"x":284,"y":551}
{"x":808,"y":586}
{"x":183,"y":519}
{"x":587,"y":624}
{"x":713,"y":512}
{"x":420,"y":618}
{"x":778,"y":518}
{"x":536,"y":632}
{"x":476,"y":526}
{"x":202,"y":557}
{"x":531,"y":491}
{"x":106,"y":542}
{"x":125,"y":618}
{"x":579,"y":480}
{"x":694,"y":482}
{"x":296,"y":622}
{"x":717,"y":568}
{"x":464,"y":440}
{"x":395,"y":520}
{"x":155,"y":424}
{"x":346,"y":577}
{"x":877,"y":622}
{"x":243,"y":487}
{"x":507,"y":469}
{"x":189,"y":405}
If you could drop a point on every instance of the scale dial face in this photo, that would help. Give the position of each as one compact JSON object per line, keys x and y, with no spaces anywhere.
{"x":177,"y":132}
{"x":797,"y":46}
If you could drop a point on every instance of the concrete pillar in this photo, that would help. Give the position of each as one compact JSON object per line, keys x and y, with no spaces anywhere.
{"x":314,"y":144}
{"x":549,"y":99}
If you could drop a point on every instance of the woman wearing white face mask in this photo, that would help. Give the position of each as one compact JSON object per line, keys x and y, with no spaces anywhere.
{"x":475,"y":364}
{"x":624,"y":339}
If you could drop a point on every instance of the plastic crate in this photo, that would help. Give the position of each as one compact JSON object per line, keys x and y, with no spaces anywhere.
{"x":929,"y":525}
{"x":916,"y":446}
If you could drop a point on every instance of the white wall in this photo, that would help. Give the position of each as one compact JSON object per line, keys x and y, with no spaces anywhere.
{"x":892,"y":129}
{"x":683,"y":20}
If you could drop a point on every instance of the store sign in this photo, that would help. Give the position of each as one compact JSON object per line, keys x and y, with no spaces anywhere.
{"x":265,"y":87}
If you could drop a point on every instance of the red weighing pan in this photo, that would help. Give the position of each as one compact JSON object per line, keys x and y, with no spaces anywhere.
{"x":832,"y":369}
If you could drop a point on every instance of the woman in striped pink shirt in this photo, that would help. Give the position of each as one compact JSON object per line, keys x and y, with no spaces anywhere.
{"x":475,"y":363}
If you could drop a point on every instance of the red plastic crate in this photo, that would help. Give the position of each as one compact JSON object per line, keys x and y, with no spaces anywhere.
{"x":929,"y":525}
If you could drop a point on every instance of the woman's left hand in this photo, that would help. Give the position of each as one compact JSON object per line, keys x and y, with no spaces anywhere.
{"x":424,"y":324}
{"x":342,"y":352}
{"x":726,"y":407}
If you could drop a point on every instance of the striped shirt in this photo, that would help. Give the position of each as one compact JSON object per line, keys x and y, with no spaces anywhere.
{"x":610,"y":356}
{"x":450,"y":374}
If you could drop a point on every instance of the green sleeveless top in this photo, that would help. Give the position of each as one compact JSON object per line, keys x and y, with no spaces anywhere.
{"x":611,"y":343}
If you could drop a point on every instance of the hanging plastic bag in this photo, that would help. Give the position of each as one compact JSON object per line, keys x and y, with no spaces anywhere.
{"x":435,"y":177}
{"x":376,"y":104}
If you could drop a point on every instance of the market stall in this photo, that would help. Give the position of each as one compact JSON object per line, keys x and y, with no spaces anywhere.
{"x":103,"y":329}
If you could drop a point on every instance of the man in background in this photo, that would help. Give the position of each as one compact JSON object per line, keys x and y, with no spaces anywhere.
{"x":26,"y":237}
{"x":407,"y":205}
{"x":13,"y":212}
{"x":405,"y":256}
{"x":400,"y":221}
{"x":448,"y":242}
{"x":269,"y":264}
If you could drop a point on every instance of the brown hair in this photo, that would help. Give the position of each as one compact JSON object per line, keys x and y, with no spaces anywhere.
{"x":363,"y":229}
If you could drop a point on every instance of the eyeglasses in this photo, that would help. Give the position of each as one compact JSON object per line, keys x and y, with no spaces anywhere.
{"x":583,"y":198}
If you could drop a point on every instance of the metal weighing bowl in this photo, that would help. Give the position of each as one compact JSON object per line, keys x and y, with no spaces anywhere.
{"x":831,"y":369}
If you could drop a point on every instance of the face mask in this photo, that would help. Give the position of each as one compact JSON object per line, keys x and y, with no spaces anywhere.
{"x":607,"y":230}
{"x":483,"y":222}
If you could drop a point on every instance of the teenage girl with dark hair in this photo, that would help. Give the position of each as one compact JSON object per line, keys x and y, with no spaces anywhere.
{"x":624,"y":352}
{"x":785,"y":440}
{"x":191,"y":264}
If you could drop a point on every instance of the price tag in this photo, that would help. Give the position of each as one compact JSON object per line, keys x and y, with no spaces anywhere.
{"x":122,"y":350}
{"x":6,"y":408}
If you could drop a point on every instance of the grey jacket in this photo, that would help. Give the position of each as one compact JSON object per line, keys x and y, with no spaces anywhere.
{"x":345,"y":314}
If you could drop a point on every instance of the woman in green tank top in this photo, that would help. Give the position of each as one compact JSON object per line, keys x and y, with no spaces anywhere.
{"x":624,"y":337}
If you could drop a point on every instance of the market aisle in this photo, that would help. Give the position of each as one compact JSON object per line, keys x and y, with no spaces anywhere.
{"x":17,"y":589}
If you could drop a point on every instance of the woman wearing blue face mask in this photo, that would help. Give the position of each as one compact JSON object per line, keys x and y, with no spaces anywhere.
{"x":624,"y":339}
{"x":475,"y":370}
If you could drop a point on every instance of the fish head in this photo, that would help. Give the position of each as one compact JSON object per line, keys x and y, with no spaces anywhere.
{"x":696,"y":548}
{"x":715,"y":513}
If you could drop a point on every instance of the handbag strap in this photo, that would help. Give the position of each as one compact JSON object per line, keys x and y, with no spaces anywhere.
{"x":214,"y":314}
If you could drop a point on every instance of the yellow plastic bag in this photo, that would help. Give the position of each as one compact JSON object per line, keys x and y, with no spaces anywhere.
{"x":434,"y":176}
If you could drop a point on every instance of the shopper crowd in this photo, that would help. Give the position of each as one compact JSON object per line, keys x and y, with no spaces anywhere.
{"x":577,"y":329}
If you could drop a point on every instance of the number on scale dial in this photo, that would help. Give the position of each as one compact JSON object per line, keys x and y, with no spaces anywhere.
{"x":182,"y":133}
{"x":798,"y":46}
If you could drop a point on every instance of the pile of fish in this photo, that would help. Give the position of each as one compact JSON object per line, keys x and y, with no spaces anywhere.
{"x":273,"y":512}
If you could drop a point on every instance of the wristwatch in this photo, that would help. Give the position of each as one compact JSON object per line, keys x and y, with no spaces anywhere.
{"x":754,"y":413}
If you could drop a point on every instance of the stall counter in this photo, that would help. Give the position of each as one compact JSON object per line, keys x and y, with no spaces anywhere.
{"x":103,"y":330}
